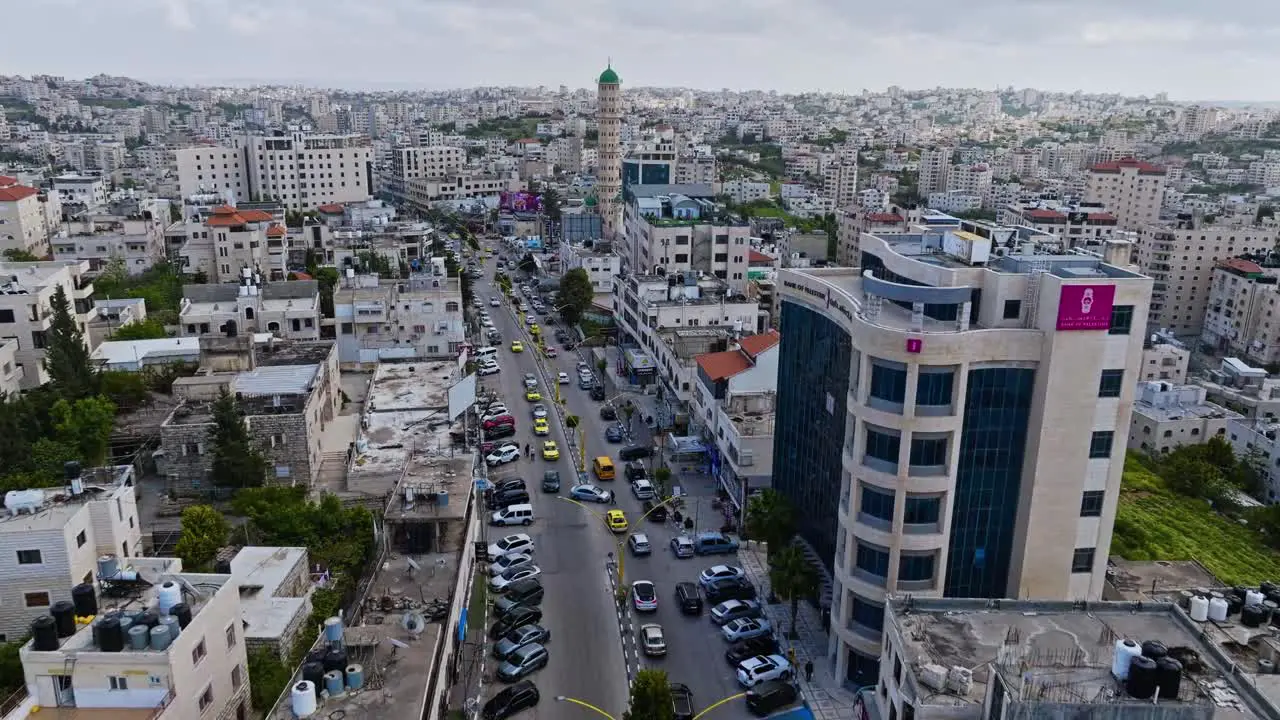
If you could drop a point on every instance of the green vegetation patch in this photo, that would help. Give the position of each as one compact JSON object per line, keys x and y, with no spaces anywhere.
{"x":509,"y":129}
{"x":479,"y":598}
{"x":1155,"y":523}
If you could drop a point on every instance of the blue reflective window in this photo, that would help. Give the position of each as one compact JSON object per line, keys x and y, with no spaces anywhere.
{"x":888,"y":383}
{"x":861,"y":670}
{"x":928,"y":451}
{"x":1100,"y":444}
{"x":1111,"y":383}
{"x":883,"y":445}
{"x":935,"y":388}
{"x":914,"y":567}
{"x":877,"y":503}
{"x":922,"y":510}
{"x":866,"y":613}
{"x":873,"y":559}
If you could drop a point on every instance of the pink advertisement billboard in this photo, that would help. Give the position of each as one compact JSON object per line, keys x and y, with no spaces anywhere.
{"x":1085,"y":307}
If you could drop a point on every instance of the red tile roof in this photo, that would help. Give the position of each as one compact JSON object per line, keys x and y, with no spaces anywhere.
{"x":8,"y":181}
{"x":1143,"y":168}
{"x":721,"y":365}
{"x":884,"y":218}
{"x":330,"y":209}
{"x":1043,"y":214}
{"x":753,"y":345}
{"x":227,"y":216}
{"x":1241,"y":265}
{"x":276,"y":231}
{"x":1102,"y":217}
{"x":15,"y":193}
{"x":758,"y":257}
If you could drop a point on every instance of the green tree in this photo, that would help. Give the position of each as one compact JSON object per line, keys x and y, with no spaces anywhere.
{"x":1250,"y":472}
{"x":267,"y":677}
{"x":571,"y":421}
{"x":148,"y":329}
{"x":575,"y":295}
{"x":651,"y":696}
{"x":770,"y":518}
{"x":17,"y":255}
{"x":528,"y":264}
{"x":662,"y":476}
{"x":792,"y":577}
{"x":204,"y":532}
{"x":67,"y":357}
{"x":628,"y":412}
{"x":237,"y":462}
{"x":85,"y":425}
{"x":551,"y":204}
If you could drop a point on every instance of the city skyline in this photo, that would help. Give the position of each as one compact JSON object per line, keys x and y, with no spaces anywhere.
{"x":1187,"y":50}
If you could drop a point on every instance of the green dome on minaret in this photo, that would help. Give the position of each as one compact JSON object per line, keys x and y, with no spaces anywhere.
{"x":590,"y":201}
{"x":609,"y":77}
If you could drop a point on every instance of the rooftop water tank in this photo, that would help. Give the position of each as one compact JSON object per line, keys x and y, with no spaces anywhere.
{"x":18,"y":501}
{"x":168,"y":595}
{"x":1218,"y":610}
{"x":302,"y":699}
{"x":1125,"y":652}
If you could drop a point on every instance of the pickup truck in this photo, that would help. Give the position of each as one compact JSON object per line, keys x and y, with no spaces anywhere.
{"x":682,"y":702}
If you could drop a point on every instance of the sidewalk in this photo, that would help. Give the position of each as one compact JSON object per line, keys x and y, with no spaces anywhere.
{"x":825,"y":695}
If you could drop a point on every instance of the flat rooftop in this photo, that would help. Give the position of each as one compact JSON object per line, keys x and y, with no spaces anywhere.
{"x":53,"y":507}
{"x":1061,"y":652}
{"x":162,"y":350}
{"x":396,"y":679}
{"x":1184,"y":411}
{"x":260,"y":571}
{"x":412,"y":386}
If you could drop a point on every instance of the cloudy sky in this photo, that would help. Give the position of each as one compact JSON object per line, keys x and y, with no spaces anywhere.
{"x":1190,"y":48}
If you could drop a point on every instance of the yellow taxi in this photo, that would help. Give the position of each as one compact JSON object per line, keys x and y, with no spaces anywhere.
{"x":535,"y":330}
{"x":532,"y":395}
{"x":550,"y":451}
{"x":616,"y":520}
{"x":541,"y":427}
{"x":517,"y":346}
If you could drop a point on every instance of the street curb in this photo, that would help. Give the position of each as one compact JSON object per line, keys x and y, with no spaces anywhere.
{"x":626,"y":629}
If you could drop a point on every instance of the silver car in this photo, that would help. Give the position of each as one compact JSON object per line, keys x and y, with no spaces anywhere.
{"x":653,"y":640}
{"x":506,"y":562}
{"x":518,"y":638}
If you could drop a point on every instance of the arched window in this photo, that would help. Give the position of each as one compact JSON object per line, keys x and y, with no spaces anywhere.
{"x":273,"y":327}
{"x":248,"y":313}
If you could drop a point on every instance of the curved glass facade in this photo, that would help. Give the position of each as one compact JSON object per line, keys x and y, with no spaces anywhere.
{"x":813,"y":366}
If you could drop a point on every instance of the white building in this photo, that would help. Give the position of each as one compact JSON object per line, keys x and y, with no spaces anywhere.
{"x":935,"y":167}
{"x":1165,"y":360}
{"x":1167,"y":415}
{"x":954,"y":201}
{"x":23,"y":224}
{"x":427,"y":162}
{"x":286,"y":309}
{"x":85,"y":191}
{"x":602,"y":268}
{"x":680,"y":229}
{"x":399,"y":320}
{"x":26,"y":294}
{"x":742,"y":192}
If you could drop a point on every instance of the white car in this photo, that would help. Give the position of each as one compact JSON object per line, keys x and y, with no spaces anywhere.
{"x":530,"y":319}
{"x":494,"y":411}
{"x":503,"y":455}
{"x":487,"y":322}
{"x":498,"y":583}
{"x":530,"y":381}
{"x":644,"y":596}
{"x":642,"y":489}
{"x":563,"y":378}
{"x":511,"y":544}
{"x":583,"y":368}
{"x":493,"y":302}
{"x":762,"y":668}
{"x":653,"y":640}
{"x":539,"y":412}
{"x":488,"y":369}
{"x":506,"y":562}
{"x":745,"y":629}
{"x":720,"y":572}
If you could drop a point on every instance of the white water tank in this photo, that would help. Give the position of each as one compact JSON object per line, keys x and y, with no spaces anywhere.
{"x":16,"y":501}
{"x":1126,"y":651}
{"x":1218,"y":609}
{"x":168,"y":595}
{"x":1253,"y":597}
{"x":302,"y":700}
{"x":1199,"y":608}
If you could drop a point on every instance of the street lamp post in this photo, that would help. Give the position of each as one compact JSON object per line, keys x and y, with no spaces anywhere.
{"x":598,"y":711}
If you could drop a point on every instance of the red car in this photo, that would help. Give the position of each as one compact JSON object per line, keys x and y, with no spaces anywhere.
{"x":551,"y":352}
{"x":499,"y":421}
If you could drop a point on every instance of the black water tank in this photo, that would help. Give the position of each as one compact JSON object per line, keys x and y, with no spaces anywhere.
{"x":335,"y":659}
{"x":222,"y":567}
{"x":1267,"y":587}
{"x":111,"y":635}
{"x":151,"y":618}
{"x":71,"y":469}
{"x":1154,"y":649}
{"x":316,"y":656}
{"x":1239,"y":591}
{"x":1274,"y":596}
{"x":64,"y":618}
{"x":314,"y":672}
{"x":44,"y":634}
{"x":182,"y":611}
{"x":1234,"y":604}
{"x":1142,"y":678}
{"x":85,"y":599}
{"x":1253,"y":616}
{"x":1168,"y":677}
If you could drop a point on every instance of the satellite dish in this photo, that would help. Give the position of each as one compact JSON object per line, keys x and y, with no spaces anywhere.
{"x":398,"y":643}
{"x":414,"y":623}
{"x":413,"y":564}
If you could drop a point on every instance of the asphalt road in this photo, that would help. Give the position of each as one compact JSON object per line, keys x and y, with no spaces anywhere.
{"x":572,"y":548}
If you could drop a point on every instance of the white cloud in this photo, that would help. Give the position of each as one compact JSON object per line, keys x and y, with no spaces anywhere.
{"x":178,"y":14}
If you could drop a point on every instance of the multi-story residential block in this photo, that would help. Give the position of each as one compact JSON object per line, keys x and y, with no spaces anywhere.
{"x":851,"y":225}
{"x":953,"y":201}
{"x":745,"y":191}
{"x":231,"y":240}
{"x":427,"y":162}
{"x":288,"y":310}
{"x":602,"y":267}
{"x":202,"y":671}
{"x":399,"y":319}
{"x":137,"y":242}
{"x":967,"y":398}
{"x":23,"y":223}
{"x":80,"y":192}
{"x":935,"y":168}
{"x":1165,"y":359}
{"x":840,"y":183}
{"x":973,"y":179}
{"x":734,"y":398}
{"x":423,"y":193}
{"x":54,"y":537}
{"x":26,"y":314}
{"x":1181,"y":258}
{"x":1072,"y":225}
{"x":287,"y":393}
{"x":1129,"y":189}
{"x":1166,"y":415}
{"x":300,"y":171}
{"x":681,"y":229}
{"x":696,"y":170}
{"x":280,"y":609}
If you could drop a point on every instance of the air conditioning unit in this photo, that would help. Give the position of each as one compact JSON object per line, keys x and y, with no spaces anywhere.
{"x":746,"y":458}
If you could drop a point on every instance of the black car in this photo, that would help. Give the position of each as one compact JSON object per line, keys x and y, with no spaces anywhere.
{"x":656,"y":514}
{"x":766,"y":697}
{"x":521,"y":593}
{"x":635,"y":452}
{"x":500,"y":432}
{"x":511,"y":700}
{"x":743,"y":649}
{"x":551,"y":481}
{"x":597,"y":394}
{"x":513,"y":620}
{"x":689,"y":598}
{"x":613,"y":434}
{"x":497,"y":501}
{"x":734,"y":588}
{"x":682,"y":702}
{"x":607,"y":412}
{"x":634,"y":471}
{"x":505,"y":486}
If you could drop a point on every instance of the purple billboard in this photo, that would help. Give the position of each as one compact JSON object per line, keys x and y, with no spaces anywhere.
{"x":520,"y":202}
{"x":1085,"y":307}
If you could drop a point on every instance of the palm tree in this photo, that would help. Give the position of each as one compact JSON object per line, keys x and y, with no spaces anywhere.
{"x":770,"y":518}
{"x":792,"y":577}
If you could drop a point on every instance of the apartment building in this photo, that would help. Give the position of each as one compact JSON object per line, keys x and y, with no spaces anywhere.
{"x":231,"y":240}
{"x":973,"y":179}
{"x":53,"y":537}
{"x":1166,"y":415}
{"x":80,"y":192}
{"x":968,"y":395}
{"x":1129,"y":189}
{"x":851,"y":224}
{"x":954,"y":201}
{"x":399,"y":319}
{"x":287,"y":392}
{"x":424,"y":193}
{"x":301,"y":171}
{"x":735,"y":400}
{"x":745,"y":191}
{"x":1166,"y":360}
{"x":26,"y":314}
{"x":137,"y":242}
{"x":840,"y":183}
{"x":289,"y":310}
{"x":602,"y":267}
{"x":23,"y":224}
{"x":935,"y":168}
{"x":427,"y":162}
{"x":696,"y":170}
{"x":111,"y":668}
{"x":1072,"y":225}
{"x":680,"y":229}
{"x":1181,"y":257}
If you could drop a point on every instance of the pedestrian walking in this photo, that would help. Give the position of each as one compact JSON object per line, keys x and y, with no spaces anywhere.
{"x":808,"y":671}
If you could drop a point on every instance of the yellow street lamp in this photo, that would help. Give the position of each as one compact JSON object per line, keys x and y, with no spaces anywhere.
{"x":593,"y":708}
{"x":622,"y":556}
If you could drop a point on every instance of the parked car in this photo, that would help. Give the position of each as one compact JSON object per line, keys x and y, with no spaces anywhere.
{"x":642,"y":489}
{"x":689,"y":598}
{"x":525,"y":661}
{"x":681,"y":545}
{"x":745,"y":628}
{"x":763,"y":668}
{"x":484,"y":370}
{"x":597,"y":394}
{"x":652,"y":640}
{"x":731,"y":610}
{"x":518,"y":638}
{"x":521,"y":696}
{"x":729,"y":589}
{"x":507,"y":623}
{"x":591,"y":493}
{"x":658,"y":514}
{"x":743,"y":649}
{"x":522,"y":593}
{"x":635,"y":470}
{"x":516,"y":543}
{"x":500,"y":432}
{"x":639,"y":544}
{"x":503,"y":455}
{"x":767,"y":697}
{"x":607,"y":412}
{"x":681,"y":701}
{"x":500,"y":582}
{"x":505,"y":485}
{"x":720,"y":572}
{"x":635,"y":452}
{"x":507,"y":498}
{"x":644,"y":596}
{"x":506,"y":562}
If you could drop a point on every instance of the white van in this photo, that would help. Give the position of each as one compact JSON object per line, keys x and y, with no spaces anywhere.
{"x":521,"y":514}
{"x":487,"y":351}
